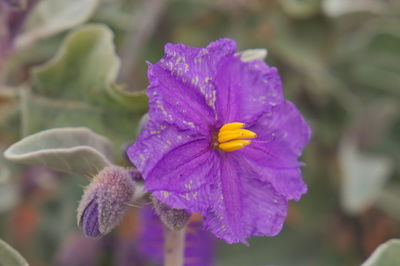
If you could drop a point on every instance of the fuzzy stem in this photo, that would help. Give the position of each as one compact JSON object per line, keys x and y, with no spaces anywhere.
{"x":174,"y":247}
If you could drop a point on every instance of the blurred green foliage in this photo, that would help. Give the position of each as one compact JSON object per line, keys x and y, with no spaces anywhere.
{"x":339,"y":62}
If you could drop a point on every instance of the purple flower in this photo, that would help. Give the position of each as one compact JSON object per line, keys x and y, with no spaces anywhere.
{"x":199,"y":246}
{"x":221,"y":140}
{"x":105,"y":201}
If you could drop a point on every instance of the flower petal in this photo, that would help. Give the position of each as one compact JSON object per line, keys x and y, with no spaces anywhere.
{"x":179,"y":168}
{"x":266,"y":209}
{"x":286,"y":181}
{"x":283,"y":128}
{"x":248,"y":206}
{"x":181,"y":90}
{"x":157,"y":141}
{"x":245,"y":90}
{"x":231,"y":196}
{"x":186,"y":182}
{"x":189,"y":165}
{"x":281,"y":136}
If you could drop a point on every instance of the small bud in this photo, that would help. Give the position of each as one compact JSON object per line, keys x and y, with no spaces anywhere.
{"x":173,"y":219}
{"x":105,"y":201}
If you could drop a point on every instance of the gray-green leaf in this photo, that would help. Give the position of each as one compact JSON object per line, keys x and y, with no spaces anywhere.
{"x":9,"y":256}
{"x":53,"y":16}
{"x":387,"y":254}
{"x":85,"y":66}
{"x":72,"y":150}
{"x":85,"y":69}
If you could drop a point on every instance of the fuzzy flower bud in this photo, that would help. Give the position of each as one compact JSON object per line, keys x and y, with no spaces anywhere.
{"x":173,"y":219}
{"x":105,"y":201}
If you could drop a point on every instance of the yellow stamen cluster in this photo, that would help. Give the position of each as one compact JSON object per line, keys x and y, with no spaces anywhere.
{"x":232,"y":137}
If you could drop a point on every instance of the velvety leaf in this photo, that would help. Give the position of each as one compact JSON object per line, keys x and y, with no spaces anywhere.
{"x":132,"y":100}
{"x":73,"y":150}
{"x":53,"y":16}
{"x":363,"y":177}
{"x":387,"y":254}
{"x":85,"y":69}
{"x":9,"y":256}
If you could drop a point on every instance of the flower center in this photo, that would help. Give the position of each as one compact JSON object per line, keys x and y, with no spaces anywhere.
{"x":232,"y":137}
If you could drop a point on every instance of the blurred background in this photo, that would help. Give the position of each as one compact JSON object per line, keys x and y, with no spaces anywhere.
{"x":340,"y":64}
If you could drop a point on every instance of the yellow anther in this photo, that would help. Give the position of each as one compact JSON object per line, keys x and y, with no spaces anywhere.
{"x":234,"y":145}
{"x":230,"y":126}
{"x":235,"y":134}
{"x":232,"y":137}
